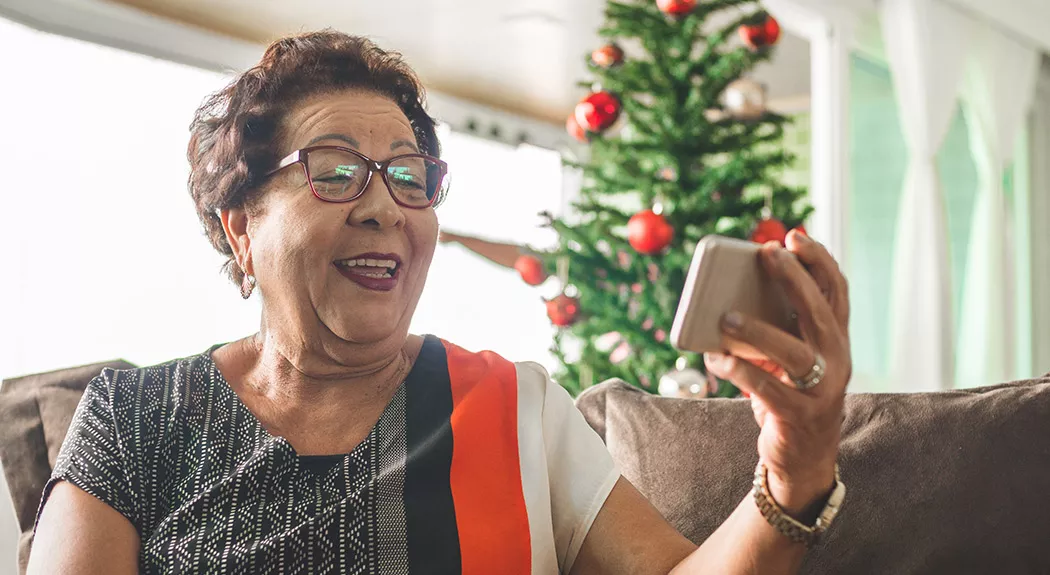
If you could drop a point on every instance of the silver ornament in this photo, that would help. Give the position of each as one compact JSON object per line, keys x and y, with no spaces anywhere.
{"x":686,"y":382}
{"x":745,"y":99}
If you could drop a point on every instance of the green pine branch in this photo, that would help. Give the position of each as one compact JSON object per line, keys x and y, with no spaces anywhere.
{"x":724,"y":174}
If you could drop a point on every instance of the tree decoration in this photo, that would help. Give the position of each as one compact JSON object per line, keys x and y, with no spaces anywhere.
{"x":686,"y":382}
{"x":745,"y":99}
{"x":598,"y":111}
{"x":649,"y":232}
{"x":563,"y":310}
{"x":683,"y":381}
{"x":677,"y":8}
{"x":608,"y":56}
{"x":761,"y":35}
{"x":621,"y":353}
{"x":576,"y":130}
{"x":769,"y":230}
{"x":667,"y":174}
{"x":607,"y":341}
{"x":531,"y":269}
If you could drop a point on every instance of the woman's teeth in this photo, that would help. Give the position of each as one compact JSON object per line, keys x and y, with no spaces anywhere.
{"x":369,"y":267}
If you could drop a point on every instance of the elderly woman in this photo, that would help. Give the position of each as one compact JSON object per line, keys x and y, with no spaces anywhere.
{"x":333,"y":441}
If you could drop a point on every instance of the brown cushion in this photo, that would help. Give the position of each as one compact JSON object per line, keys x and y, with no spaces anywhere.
{"x":946,"y":482}
{"x":35,"y":413}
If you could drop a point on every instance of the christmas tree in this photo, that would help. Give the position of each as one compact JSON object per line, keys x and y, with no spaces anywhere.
{"x":679,"y":145}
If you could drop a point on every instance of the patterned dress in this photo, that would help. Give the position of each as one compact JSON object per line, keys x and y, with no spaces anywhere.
{"x":477,"y":465}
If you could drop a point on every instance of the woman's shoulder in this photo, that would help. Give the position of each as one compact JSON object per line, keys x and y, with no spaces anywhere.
{"x":487,"y":364}
{"x":162,"y":386}
{"x":531,"y":383}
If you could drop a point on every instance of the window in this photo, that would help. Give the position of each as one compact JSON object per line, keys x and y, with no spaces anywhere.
{"x":497,"y":193}
{"x":878,"y":162}
{"x":103,"y":254}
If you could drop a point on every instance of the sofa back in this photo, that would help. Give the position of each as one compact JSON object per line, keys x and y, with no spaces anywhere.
{"x":946,"y":482}
{"x":35,"y":413}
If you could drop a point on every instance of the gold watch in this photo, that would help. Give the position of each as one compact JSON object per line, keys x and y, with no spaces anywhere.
{"x":789,"y":526}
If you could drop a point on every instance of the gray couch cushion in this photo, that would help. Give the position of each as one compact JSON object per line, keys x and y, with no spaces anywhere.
{"x":947,"y":482}
{"x":35,"y":413}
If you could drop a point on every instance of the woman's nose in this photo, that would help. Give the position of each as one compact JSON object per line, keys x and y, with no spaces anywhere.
{"x":375,"y":207}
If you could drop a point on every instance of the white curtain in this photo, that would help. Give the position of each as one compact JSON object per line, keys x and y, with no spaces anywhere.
{"x":923,"y":40}
{"x":999,"y":87}
{"x":1039,"y":214}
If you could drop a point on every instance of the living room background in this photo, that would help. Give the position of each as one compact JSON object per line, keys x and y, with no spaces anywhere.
{"x":108,"y":165}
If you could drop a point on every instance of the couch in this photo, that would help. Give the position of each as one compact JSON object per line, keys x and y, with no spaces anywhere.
{"x":951,"y":482}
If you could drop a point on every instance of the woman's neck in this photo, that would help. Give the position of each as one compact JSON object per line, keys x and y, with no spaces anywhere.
{"x":311,"y":393}
{"x":293,"y":366}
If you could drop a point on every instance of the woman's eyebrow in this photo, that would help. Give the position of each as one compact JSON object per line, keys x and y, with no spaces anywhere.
{"x":340,"y":137}
{"x":405,"y":143}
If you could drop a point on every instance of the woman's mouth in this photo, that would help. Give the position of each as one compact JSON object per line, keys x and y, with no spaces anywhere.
{"x":377,"y":272}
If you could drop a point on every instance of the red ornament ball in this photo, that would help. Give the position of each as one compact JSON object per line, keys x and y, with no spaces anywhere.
{"x":769,"y":230}
{"x":676,"y":7}
{"x":531,"y":270}
{"x":597,"y":112}
{"x":648,"y":232}
{"x":563,"y":310}
{"x":761,"y":35}
{"x":608,"y":56}
{"x":576,"y":130}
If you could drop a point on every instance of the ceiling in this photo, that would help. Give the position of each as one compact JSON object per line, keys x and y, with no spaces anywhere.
{"x":523,"y":57}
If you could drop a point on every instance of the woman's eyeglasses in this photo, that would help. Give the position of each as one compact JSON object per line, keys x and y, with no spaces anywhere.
{"x":337,"y":174}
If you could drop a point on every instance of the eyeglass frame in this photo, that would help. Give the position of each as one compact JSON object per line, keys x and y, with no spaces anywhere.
{"x":302,"y":155}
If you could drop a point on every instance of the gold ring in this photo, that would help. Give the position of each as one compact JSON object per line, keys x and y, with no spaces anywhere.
{"x":815,"y":375}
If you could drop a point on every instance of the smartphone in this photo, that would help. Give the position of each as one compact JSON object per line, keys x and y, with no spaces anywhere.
{"x":726,"y":275}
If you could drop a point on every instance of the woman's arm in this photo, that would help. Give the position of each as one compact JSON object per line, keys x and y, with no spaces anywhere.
{"x":502,"y":254}
{"x":798,"y":442}
{"x":79,"y":534}
{"x":630,"y":536}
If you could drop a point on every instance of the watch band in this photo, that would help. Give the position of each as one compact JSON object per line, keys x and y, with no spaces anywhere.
{"x":789,"y":526}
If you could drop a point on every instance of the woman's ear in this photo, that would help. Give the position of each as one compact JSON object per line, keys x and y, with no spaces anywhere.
{"x":235,"y":224}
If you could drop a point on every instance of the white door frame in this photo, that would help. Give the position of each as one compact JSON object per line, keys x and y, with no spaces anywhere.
{"x":830,"y":28}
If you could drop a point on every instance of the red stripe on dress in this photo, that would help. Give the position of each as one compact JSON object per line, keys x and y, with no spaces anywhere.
{"x":491,"y":517}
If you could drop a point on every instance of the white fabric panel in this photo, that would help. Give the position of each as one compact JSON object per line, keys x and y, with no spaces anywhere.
{"x":532,"y":390}
{"x":567,"y":473}
{"x":923,"y":40}
{"x":1000,"y":84}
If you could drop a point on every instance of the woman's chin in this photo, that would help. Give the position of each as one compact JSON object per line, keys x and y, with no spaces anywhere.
{"x":365,"y":328}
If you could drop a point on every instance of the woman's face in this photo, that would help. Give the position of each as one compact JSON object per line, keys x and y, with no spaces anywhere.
{"x":302,"y":248}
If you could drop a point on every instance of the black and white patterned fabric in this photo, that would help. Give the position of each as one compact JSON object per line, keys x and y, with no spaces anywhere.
{"x":477,"y":465}
{"x":173,"y":449}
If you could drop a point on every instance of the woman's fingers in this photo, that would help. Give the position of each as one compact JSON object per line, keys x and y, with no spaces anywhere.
{"x":825,"y":271}
{"x":778,"y":398}
{"x":796,"y":357}
{"x":816,"y":320}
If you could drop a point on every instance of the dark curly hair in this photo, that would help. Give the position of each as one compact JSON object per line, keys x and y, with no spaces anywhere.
{"x":235,"y":132}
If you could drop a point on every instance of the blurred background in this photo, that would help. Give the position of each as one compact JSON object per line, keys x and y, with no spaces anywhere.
{"x":948,"y":276}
